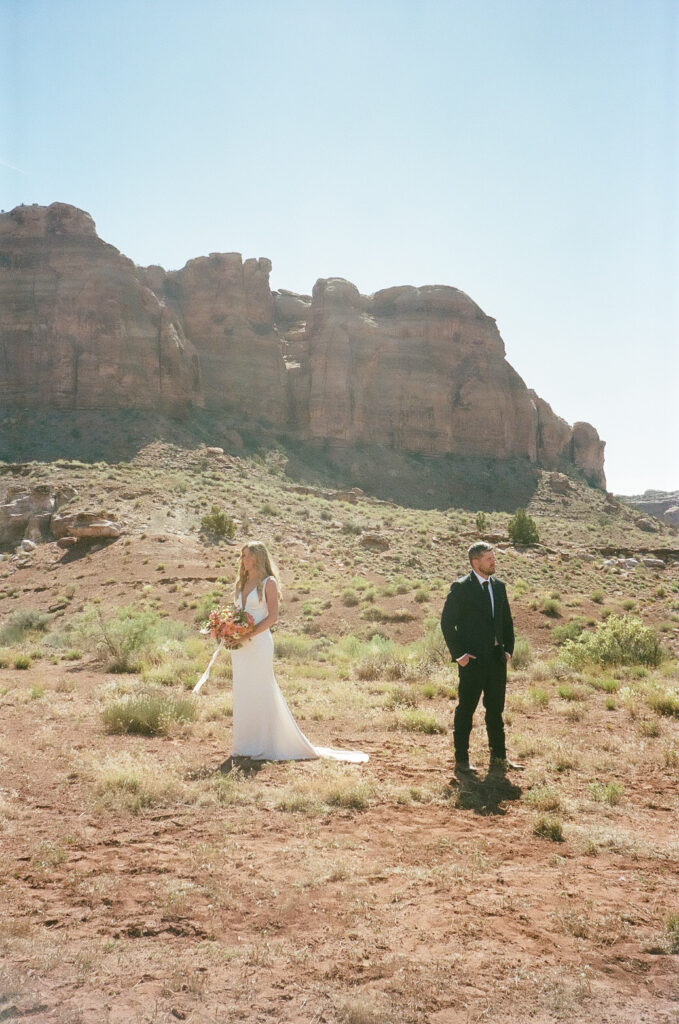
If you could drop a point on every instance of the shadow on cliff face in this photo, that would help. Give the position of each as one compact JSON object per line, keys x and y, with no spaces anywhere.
{"x":411,"y":479}
{"x":422,"y":482}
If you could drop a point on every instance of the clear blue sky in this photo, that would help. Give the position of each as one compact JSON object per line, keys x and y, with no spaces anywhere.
{"x":522,"y":150}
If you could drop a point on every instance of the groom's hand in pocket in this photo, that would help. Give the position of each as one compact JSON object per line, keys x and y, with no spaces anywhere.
{"x":465,"y":659}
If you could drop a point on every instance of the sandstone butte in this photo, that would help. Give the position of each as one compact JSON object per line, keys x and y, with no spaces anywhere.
{"x":415,"y":369}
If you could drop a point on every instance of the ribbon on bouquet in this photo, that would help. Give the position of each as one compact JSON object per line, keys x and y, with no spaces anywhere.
{"x":206,"y":674}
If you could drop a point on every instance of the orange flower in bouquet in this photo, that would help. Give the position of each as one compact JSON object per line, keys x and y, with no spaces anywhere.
{"x":228,"y":624}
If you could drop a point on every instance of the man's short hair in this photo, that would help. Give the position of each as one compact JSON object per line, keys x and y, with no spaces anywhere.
{"x":477,"y":549}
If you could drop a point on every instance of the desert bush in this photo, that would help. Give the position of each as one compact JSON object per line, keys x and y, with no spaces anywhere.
{"x":318,"y":793}
{"x":606,"y":792}
{"x":385,"y":663}
{"x":550,"y":607}
{"x":569,"y":631}
{"x":147,"y":714}
{"x":569,"y":692}
{"x":522,"y":528}
{"x":604,"y":683}
{"x":350,"y":598}
{"x":673,"y":933}
{"x":22,"y":661}
{"x":664,"y":701}
{"x":123,"y":637}
{"x":400,"y":696}
{"x":431,"y":651}
{"x":413,"y":720}
{"x":295,"y":648}
{"x":218,"y":524}
{"x":620,"y":640}
{"x":350,"y":527}
{"x":522,"y":656}
{"x":133,"y":782}
{"x":543,"y":798}
{"x":547,"y":827}
{"x":20,"y":623}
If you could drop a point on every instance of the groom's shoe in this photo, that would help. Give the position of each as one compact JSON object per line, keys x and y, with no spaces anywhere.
{"x":463,"y":767}
{"x":502,"y":763}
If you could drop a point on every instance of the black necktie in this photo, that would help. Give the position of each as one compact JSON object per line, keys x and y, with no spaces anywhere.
{"x":486,"y":591}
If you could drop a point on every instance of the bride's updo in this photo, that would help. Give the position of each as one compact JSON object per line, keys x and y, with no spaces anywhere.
{"x":265,"y":567}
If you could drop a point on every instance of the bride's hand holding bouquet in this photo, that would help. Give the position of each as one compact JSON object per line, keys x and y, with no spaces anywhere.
{"x":231,"y":625}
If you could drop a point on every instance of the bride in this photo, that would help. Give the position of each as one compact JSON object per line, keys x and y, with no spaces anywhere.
{"x":263,"y":727}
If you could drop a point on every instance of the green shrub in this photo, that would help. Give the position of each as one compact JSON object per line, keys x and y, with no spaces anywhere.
{"x":147,"y":714}
{"x":295,"y":648}
{"x":568,"y":692}
{"x":420,"y":721}
{"x":350,"y":598}
{"x":604,"y":683}
{"x":481,"y":523}
{"x":548,"y":827}
{"x":522,"y":656}
{"x":606,"y":792}
{"x":22,"y":661}
{"x":597,"y":596}
{"x":543,"y":798}
{"x":123,"y":637}
{"x":385,"y":664}
{"x":569,"y":631}
{"x":673,"y":933}
{"x":218,"y":524}
{"x":664,"y":702}
{"x":21,"y":622}
{"x":431,"y":650}
{"x":550,"y":607}
{"x":620,"y":640}
{"x":522,"y":528}
{"x":401,"y":696}
{"x":351,"y":527}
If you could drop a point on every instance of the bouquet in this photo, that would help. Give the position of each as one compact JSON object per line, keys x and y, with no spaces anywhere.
{"x":228,"y":624}
{"x":224,"y":624}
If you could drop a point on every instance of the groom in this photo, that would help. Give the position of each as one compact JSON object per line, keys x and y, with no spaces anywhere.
{"x":477,"y":627}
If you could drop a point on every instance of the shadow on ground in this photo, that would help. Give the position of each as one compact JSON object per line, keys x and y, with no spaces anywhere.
{"x":485,"y":796}
{"x":245,"y":766}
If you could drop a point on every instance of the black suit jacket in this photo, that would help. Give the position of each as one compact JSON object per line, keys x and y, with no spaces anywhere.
{"x":467,"y":624}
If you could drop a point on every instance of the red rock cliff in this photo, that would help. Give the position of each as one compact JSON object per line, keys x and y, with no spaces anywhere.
{"x":226,"y":307}
{"x":415,"y":369}
{"x":78,"y":330}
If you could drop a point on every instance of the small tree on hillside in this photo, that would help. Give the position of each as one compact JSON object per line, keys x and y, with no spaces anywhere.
{"x":522,"y":528}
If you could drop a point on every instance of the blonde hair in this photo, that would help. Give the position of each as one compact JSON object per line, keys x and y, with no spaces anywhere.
{"x":265,"y":567}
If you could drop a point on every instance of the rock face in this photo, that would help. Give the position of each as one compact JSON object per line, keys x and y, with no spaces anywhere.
{"x":226,"y":308}
{"x":78,"y":330}
{"x":27,"y":512}
{"x":419,"y":370}
{"x":664,"y":505}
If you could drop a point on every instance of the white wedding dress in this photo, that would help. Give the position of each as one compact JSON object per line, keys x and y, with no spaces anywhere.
{"x":263,"y":727}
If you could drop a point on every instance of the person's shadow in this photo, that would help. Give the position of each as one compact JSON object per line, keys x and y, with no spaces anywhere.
{"x":484,"y":796}
{"x":245,"y":766}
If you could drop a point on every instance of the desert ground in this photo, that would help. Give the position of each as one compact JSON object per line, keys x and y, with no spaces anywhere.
{"x":147,"y":877}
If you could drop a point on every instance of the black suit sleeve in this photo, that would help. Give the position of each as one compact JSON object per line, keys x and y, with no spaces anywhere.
{"x":507,"y":625}
{"x":450,"y":621}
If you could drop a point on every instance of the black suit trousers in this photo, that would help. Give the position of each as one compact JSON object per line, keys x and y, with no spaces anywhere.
{"x":487,"y":676}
